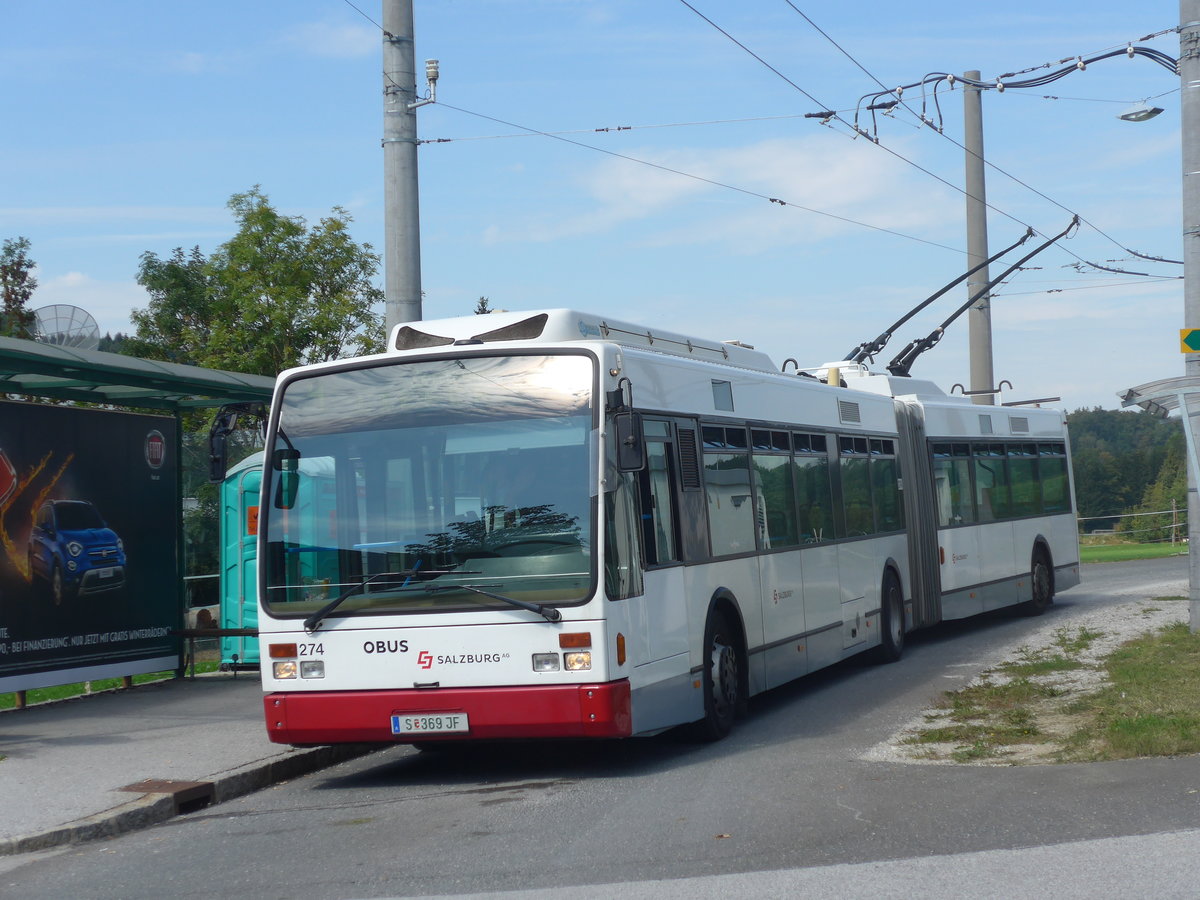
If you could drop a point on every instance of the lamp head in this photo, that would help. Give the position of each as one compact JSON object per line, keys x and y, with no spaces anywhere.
{"x":1140,"y":112}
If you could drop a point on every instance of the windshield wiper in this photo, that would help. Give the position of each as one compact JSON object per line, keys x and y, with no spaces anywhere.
{"x":311,"y":623}
{"x":549,"y":613}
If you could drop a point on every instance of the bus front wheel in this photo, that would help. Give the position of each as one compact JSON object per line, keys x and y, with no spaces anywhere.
{"x":722,"y":679}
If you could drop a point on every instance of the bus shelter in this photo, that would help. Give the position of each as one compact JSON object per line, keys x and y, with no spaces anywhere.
{"x":91,"y":509}
{"x":1162,"y":398}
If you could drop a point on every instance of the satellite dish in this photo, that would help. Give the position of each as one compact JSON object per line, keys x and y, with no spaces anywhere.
{"x":66,"y":326}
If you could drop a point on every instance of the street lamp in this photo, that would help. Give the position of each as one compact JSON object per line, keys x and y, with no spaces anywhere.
{"x":1140,"y":112}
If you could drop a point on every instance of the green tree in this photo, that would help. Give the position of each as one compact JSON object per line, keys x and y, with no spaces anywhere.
{"x":17,"y":285}
{"x":482,"y":307}
{"x":114,"y":343}
{"x":1163,"y":510}
{"x":174,"y":327}
{"x":277,"y":294}
{"x":1116,"y":456}
{"x":284,"y":295}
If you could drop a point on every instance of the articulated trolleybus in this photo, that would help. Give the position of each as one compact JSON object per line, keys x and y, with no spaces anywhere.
{"x":553,"y":525}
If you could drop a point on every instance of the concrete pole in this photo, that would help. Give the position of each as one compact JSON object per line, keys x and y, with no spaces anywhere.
{"x":979,"y":319}
{"x":401,"y":203}
{"x":1189,"y":76}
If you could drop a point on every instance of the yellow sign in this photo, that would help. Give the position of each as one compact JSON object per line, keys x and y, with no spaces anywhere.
{"x":1189,"y":340}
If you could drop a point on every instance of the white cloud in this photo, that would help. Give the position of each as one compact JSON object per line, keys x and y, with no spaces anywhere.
{"x":58,"y":215}
{"x":190,"y":63}
{"x":1085,"y":307}
{"x":109,"y":302}
{"x":334,"y":41}
{"x":851,"y":181}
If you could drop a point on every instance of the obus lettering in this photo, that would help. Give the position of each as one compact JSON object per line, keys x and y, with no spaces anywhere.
{"x":385,"y":647}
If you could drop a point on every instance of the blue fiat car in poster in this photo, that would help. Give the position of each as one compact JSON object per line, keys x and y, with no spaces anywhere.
{"x":73,"y":550}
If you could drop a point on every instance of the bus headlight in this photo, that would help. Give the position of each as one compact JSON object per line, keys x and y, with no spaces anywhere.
{"x":312,"y":668}
{"x":284,"y":669}
{"x":578,"y":661}
{"x":545,"y":662}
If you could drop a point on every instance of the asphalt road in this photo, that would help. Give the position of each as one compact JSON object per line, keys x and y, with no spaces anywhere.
{"x":757,"y":814}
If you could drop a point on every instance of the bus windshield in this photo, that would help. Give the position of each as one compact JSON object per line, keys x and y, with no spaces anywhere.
{"x":424,"y":486}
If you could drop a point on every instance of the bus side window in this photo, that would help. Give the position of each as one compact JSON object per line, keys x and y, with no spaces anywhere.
{"x":1052,"y":473}
{"x":952,"y":481}
{"x":991,"y":482}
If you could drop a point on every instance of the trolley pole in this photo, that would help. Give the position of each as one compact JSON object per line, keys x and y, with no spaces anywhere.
{"x":402,"y":229}
{"x":979,"y":319}
{"x":1189,"y":77}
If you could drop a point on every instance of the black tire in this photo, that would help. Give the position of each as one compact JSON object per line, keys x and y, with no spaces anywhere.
{"x":1041,"y":578}
{"x":58,"y":589}
{"x":722,"y":680}
{"x":891,"y":619}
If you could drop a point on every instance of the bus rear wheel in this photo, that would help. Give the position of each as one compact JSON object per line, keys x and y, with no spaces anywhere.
{"x":722,"y":679}
{"x":891,"y":627}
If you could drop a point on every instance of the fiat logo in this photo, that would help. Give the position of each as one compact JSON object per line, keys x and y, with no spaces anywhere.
{"x":156,"y":449}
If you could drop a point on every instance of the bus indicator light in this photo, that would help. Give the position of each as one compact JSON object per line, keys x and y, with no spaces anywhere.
{"x":283,"y":651}
{"x":620,"y":649}
{"x":575,"y":640}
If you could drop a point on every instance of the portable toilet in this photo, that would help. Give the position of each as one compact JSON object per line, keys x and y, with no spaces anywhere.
{"x":239,"y":563}
{"x":314,"y":515}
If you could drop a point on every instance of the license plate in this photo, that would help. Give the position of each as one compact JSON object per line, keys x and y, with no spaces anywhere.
{"x":105,"y":573}
{"x":430,"y":723}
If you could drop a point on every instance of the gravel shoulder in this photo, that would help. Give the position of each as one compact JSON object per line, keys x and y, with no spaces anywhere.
{"x":1113,"y":626}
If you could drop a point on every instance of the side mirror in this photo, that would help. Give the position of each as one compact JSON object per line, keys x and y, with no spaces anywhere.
{"x":631,"y":452}
{"x":223,"y":424}
{"x":287,"y":463}
{"x":218,"y":444}
{"x":217,"y":457}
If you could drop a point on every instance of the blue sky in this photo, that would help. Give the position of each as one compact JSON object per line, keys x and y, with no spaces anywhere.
{"x":127,"y":126}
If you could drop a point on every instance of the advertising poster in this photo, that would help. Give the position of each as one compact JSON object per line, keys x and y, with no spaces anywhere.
{"x":89,"y":576}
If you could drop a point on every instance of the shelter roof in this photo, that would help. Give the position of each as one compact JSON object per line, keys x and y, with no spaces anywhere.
{"x":68,"y":373}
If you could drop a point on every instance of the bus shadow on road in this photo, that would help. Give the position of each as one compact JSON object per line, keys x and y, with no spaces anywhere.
{"x":819,"y":705}
{"x":500,"y":763}
{"x":862,"y":690}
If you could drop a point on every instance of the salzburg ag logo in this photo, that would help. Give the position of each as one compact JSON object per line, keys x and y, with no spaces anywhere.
{"x":425,"y":659}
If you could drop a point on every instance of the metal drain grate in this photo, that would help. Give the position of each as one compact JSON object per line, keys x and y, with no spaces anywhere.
{"x":189,"y":796}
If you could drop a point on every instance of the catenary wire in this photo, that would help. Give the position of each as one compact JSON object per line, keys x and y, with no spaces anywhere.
{"x":701,"y":178}
{"x":898,"y":92}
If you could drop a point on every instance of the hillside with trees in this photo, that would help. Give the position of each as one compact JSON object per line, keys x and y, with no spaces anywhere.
{"x":1127,"y":462}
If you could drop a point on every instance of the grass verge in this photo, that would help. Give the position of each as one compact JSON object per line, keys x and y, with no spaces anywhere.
{"x":83,"y":688}
{"x":1119,"y":552}
{"x":1077,"y":699}
{"x":1151,"y":706}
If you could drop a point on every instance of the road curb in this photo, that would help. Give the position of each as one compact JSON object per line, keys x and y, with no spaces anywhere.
{"x":153,"y":808}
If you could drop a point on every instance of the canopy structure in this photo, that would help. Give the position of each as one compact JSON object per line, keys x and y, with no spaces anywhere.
{"x":68,"y":373}
{"x":1163,"y":397}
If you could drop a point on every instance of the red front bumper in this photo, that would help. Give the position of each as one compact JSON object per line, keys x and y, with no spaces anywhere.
{"x":549,"y":711}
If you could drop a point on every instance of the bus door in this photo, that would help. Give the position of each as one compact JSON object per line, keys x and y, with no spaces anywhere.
{"x":964,"y":499}
{"x":858,"y":571}
{"x":663,"y":625}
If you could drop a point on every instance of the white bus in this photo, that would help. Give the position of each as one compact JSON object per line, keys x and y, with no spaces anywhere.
{"x":553,"y":525}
